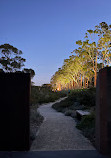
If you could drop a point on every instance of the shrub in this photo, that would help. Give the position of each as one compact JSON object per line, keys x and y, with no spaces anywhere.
{"x":62,"y":106}
{"x":68,"y":112}
{"x":35,"y":120}
{"x":35,"y":116}
{"x":71,"y":113}
{"x":87,"y":125}
{"x":85,"y":97}
{"x":44,"y":95}
{"x":77,"y":100}
{"x":78,"y":107}
{"x":87,"y":122}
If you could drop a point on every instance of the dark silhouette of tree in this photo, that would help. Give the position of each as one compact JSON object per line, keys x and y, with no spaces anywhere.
{"x":10,"y":58}
{"x":31,"y":71}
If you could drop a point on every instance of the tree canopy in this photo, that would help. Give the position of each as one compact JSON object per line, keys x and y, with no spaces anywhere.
{"x":31,"y":71}
{"x":92,"y":54}
{"x":11,"y":60}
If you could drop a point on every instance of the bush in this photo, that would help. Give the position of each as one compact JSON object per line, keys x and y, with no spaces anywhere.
{"x":77,"y":100}
{"x":85,"y":97}
{"x":68,"y":112}
{"x":77,"y":107}
{"x":35,"y":121}
{"x":61,"y":106}
{"x":87,"y":122}
{"x":35,"y":117}
{"x":67,"y":104}
{"x":87,"y":125}
{"x":71,"y":113}
{"x":44,"y":95}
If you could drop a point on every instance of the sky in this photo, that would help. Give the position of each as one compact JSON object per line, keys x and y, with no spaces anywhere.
{"x":46,"y":30}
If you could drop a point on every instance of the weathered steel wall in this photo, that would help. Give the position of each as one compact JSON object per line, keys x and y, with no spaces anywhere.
{"x":14,"y":111}
{"x":103,"y":111}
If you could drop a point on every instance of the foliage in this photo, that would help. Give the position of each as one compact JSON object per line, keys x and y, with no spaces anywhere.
{"x":44,"y":95}
{"x":71,"y":113}
{"x":10,"y":60}
{"x":35,"y":120}
{"x":80,"y":99}
{"x":87,"y":125}
{"x":31,"y":71}
{"x":34,"y":115}
{"x":87,"y":122}
{"x":84,"y":97}
{"x":92,"y":54}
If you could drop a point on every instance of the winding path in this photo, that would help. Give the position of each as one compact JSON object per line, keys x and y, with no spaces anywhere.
{"x":58,"y":132}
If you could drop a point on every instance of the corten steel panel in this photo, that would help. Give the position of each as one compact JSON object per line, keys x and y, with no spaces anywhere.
{"x":103,"y":111}
{"x":14,"y":111}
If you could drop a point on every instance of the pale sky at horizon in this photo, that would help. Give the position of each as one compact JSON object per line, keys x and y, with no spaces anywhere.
{"x":46,"y":30}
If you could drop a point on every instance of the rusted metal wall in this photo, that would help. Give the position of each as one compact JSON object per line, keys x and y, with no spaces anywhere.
{"x":14,"y":111}
{"x":103,"y":111}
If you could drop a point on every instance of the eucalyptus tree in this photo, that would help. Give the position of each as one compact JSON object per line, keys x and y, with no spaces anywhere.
{"x":57,"y":79}
{"x":100,"y":46}
{"x":91,"y":50}
{"x":86,"y":66}
{"x":94,"y":52}
{"x":104,"y":43}
{"x":72,"y":67}
{"x":31,"y":71}
{"x":10,"y":58}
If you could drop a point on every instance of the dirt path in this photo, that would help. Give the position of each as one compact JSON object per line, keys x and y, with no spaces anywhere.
{"x":58,"y":132}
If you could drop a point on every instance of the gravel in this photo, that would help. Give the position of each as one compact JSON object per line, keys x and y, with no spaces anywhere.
{"x":58,"y":132}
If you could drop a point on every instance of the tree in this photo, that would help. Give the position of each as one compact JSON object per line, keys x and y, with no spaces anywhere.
{"x":10,"y":58}
{"x":104,"y":43}
{"x":72,"y":68}
{"x":97,"y":47}
{"x":86,"y":72}
{"x":91,"y":53}
{"x":31,"y":71}
{"x":94,"y":53}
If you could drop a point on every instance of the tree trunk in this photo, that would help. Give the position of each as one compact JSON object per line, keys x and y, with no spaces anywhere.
{"x":70,"y":85}
{"x":95,"y":77}
{"x":81,"y":81}
{"x":87,"y":82}
{"x":73,"y":84}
